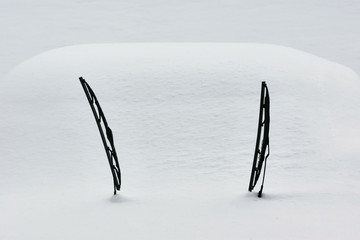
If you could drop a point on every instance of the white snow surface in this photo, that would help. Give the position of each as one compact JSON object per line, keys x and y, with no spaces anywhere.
{"x":184,"y":118}
{"x":327,"y":28}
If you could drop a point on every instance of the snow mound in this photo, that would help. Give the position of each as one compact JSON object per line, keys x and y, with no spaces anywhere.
{"x":184,"y":117}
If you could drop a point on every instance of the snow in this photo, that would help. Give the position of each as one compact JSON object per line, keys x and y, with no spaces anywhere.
{"x":179,"y":83}
{"x":328,"y":28}
{"x":184,"y":118}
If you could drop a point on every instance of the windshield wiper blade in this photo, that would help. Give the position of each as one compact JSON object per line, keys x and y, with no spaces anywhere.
{"x":262,"y":151}
{"x":103,"y":126}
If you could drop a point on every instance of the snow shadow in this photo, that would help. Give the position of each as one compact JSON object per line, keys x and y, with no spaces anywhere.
{"x":118,"y":198}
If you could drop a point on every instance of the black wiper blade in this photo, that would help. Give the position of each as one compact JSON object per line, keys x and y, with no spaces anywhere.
{"x":108,"y":141}
{"x":262,"y":151}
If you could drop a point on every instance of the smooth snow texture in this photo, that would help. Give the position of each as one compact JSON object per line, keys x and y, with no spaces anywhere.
{"x":184,"y":118}
{"x":328,"y":28}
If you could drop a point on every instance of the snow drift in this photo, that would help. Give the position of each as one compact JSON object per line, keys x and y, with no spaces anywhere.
{"x":184,"y":118}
